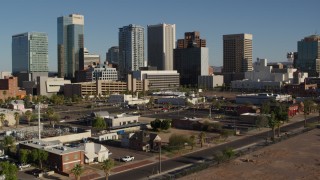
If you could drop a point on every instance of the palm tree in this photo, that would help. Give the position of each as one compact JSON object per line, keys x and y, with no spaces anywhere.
{"x":4,"y":93}
{"x":192,"y":141}
{"x":77,"y":171}
{"x":2,"y":118}
{"x":272,"y":124}
{"x":28,"y":115}
{"x":107,"y":165}
{"x":307,"y":104}
{"x":202,"y":137}
{"x":17,"y":117}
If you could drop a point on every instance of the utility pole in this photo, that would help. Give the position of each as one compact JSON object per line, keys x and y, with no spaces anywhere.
{"x":39,"y":128}
{"x":160,"y":158}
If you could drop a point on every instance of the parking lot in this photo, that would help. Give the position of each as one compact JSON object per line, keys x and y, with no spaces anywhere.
{"x":118,"y":153}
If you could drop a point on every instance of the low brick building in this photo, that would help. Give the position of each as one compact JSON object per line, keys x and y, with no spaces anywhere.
{"x":9,"y":88}
{"x":60,"y":158}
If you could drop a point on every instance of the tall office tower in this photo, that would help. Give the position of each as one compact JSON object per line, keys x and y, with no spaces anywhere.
{"x":131,"y":49}
{"x":30,"y":55}
{"x":161,"y":42}
{"x":191,"y":61}
{"x":237,"y":56}
{"x":112,"y":55}
{"x":70,"y":41}
{"x":309,"y":55}
{"x":191,"y":39}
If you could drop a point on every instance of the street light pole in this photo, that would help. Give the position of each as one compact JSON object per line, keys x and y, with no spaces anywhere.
{"x":39,"y":129}
{"x":160,"y":158}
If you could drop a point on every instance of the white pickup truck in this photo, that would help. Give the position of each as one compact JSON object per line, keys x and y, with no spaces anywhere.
{"x":127,"y":158}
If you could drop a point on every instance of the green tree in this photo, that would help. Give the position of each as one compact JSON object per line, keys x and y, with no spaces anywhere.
{"x":51,"y":115}
{"x":261,"y":121}
{"x":177,"y":141}
{"x":8,"y":142}
{"x":9,"y":170}
{"x":16,"y":118}
{"x":218,"y":156}
{"x":27,"y":101}
{"x":202,"y":137}
{"x":228,"y":152}
{"x":165,"y":124}
{"x":28,"y":116}
{"x":226,"y":133}
{"x":77,"y":171}
{"x":150,"y":104}
{"x":40,"y":156}
{"x":76,"y":98}
{"x":155,"y":124}
{"x":307,"y":105}
{"x":4,"y":93}
{"x":24,"y":155}
{"x":2,"y":118}
{"x":272,"y":124}
{"x":265,"y":108}
{"x":192,"y":141}
{"x":107,"y":165}
{"x":99,"y":123}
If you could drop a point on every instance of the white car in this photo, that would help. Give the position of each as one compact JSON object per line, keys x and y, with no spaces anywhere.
{"x":127,"y":158}
{"x":21,"y":166}
{"x":4,"y":157}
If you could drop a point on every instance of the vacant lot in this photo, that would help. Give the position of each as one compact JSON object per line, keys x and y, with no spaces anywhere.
{"x":296,"y":158}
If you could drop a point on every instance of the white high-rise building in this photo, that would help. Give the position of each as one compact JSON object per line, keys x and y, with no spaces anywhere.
{"x":131,"y":49}
{"x":161,"y":42}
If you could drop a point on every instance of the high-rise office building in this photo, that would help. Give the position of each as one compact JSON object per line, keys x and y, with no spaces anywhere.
{"x":309,"y":55}
{"x":70,"y":41}
{"x":131,"y":49}
{"x":237,"y":56}
{"x":30,"y":55}
{"x":161,"y":42}
{"x":191,"y":61}
{"x":191,"y":39}
{"x":112,"y":55}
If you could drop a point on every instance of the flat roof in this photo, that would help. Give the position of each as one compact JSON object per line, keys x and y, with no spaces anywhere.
{"x":55,"y":147}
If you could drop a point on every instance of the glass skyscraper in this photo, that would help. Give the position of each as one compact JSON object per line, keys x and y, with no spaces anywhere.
{"x":30,"y":52}
{"x":309,"y":55}
{"x":131,"y":49}
{"x":70,"y":41}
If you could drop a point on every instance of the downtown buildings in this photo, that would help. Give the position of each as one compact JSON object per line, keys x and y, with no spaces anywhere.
{"x":70,"y":41}
{"x":237,"y":56}
{"x":309,"y":55}
{"x":161,"y":42}
{"x":29,"y":56}
{"x":131,"y":49}
{"x":112,"y":56}
{"x":191,"y":61}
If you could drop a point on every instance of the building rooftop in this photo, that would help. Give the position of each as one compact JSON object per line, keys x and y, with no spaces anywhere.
{"x":55,"y":147}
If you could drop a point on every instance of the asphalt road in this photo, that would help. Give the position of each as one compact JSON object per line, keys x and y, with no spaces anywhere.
{"x":144,"y":172}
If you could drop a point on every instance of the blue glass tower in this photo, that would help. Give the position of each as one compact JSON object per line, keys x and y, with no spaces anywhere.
{"x":309,"y":55}
{"x":70,"y":41}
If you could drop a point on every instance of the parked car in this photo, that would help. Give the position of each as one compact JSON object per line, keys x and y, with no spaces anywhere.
{"x":127,"y":158}
{"x":4,"y":157}
{"x":21,"y":166}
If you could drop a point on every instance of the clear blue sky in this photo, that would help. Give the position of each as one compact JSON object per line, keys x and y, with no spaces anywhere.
{"x":276,"y":25}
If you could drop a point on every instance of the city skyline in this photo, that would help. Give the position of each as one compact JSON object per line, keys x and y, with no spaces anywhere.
{"x":275,"y":26}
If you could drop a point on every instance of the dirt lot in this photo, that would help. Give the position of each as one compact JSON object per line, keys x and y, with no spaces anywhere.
{"x":296,"y":158}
